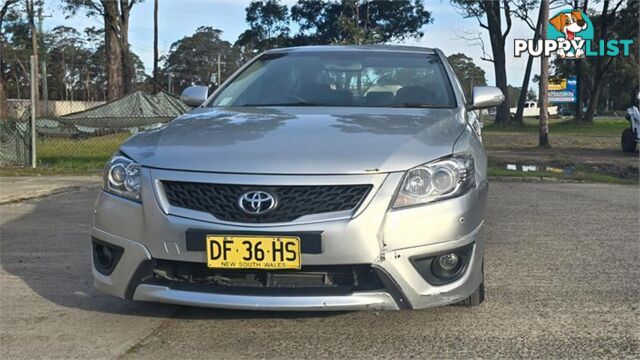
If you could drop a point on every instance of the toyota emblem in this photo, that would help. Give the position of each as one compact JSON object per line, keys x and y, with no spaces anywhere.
{"x":257,"y":202}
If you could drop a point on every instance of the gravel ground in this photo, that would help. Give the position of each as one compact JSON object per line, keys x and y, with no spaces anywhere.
{"x":562,"y":278}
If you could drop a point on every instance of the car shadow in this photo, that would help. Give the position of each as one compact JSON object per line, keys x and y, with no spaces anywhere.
{"x":46,"y":244}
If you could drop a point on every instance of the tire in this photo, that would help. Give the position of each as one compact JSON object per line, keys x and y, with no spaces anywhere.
{"x":628,"y":141}
{"x":475,"y":299}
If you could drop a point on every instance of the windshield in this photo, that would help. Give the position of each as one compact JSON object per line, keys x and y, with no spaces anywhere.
{"x":340,"y":78}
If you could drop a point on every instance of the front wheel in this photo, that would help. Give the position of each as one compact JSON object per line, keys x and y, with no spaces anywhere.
{"x":475,"y":299}
{"x":628,"y":141}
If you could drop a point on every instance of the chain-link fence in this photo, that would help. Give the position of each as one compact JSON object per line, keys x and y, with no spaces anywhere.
{"x":85,"y":134}
{"x":15,"y":135}
{"x":81,"y":134}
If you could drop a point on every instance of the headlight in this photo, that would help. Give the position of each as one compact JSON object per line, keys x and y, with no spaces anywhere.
{"x":438,"y":180}
{"x":121,"y":176}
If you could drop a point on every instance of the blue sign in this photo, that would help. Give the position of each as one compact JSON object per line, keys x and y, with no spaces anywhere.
{"x":567,"y":93}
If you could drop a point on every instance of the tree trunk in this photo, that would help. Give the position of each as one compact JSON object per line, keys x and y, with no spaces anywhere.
{"x":113,"y":52}
{"x":543,"y":138}
{"x":127,"y":67}
{"x":499,"y":58}
{"x":593,"y":100}
{"x":601,"y":69}
{"x":527,"y":73}
{"x":31,"y":14}
{"x":579,"y":72}
{"x":4,"y":109}
{"x":579,"y":116}
{"x":156,"y":81}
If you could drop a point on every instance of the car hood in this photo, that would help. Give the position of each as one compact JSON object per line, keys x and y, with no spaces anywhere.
{"x":298,"y":140}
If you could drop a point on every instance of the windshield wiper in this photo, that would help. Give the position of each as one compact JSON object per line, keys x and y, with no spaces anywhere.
{"x":411,"y":105}
{"x":297,"y":103}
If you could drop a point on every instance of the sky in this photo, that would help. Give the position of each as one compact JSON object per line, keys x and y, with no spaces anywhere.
{"x":179,"y":18}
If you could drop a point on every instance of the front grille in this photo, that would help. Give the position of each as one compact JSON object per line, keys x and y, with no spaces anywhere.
{"x":221,"y":200}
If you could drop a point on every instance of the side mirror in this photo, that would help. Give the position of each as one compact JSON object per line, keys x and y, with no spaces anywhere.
{"x":486,"y":97}
{"x":194,"y":95}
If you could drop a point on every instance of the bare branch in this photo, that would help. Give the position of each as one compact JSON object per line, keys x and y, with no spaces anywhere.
{"x":474,"y":38}
{"x":481,"y":24}
{"x":507,"y":15}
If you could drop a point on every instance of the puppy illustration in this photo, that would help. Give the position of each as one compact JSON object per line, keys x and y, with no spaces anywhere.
{"x":569,"y":24}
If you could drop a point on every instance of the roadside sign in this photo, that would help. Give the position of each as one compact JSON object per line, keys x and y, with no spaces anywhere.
{"x":562,"y":90}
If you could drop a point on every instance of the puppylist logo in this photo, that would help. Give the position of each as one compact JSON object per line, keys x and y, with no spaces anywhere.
{"x":570,"y":36}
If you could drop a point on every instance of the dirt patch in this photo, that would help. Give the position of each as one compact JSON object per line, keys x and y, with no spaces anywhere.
{"x":596,"y":154}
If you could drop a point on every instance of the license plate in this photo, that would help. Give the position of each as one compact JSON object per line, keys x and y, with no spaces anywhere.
{"x":253,"y":252}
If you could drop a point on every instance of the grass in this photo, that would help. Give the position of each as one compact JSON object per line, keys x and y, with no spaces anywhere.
{"x":80,"y":154}
{"x":605,"y":126}
{"x":48,"y":171}
{"x":580,"y":175}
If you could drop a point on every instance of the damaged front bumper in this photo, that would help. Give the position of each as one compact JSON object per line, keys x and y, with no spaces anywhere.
{"x":384,"y":240}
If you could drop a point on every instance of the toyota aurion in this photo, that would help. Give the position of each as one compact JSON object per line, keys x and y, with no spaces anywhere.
{"x":314,"y":178}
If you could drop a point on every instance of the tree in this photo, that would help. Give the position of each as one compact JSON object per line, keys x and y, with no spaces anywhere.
{"x":493,"y":12}
{"x":513,"y":93}
{"x":115,"y":14}
{"x":268,"y":26}
{"x":68,"y":59}
{"x":4,"y":115}
{"x":613,"y":24}
{"x":530,"y":96}
{"x":374,"y":21}
{"x":193,"y":59}
{"x":77,"y":64}
{"x":579,"y":69}
{"x":543,"y":133}
{"x":521,"y":10}
{"x":31,"y":15}
{"x":16,"y":48}
{"x":468,"y":72}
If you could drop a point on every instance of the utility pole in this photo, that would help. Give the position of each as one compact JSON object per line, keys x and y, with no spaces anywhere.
{"x":31,"y":14}
{"x":543,"y":138}
{"x":219,"y":79}
{"x":34,"y":102}
{"x":43,"y":64}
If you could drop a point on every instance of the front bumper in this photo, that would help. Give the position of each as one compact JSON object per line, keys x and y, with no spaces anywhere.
{"x":375,"y":235}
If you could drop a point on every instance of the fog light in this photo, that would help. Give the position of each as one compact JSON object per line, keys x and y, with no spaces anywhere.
{"x":444,"y":268}
{"x":448,"y":262}
{"x":105,"y":256}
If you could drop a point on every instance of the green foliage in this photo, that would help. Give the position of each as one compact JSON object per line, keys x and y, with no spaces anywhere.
{"x":331,"y":22}
{"x":514,"y":94}
{"x":600,"y":127}
{"x":531,"y":95}
{"x":193,"y":59}
{"x":468,"y":72}
{"x":379,"y":21}
{"x":581,"y":174}
{"x":268,"y":26}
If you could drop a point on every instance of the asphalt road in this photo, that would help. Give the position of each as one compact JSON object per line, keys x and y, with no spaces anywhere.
{"x":562,"y":279}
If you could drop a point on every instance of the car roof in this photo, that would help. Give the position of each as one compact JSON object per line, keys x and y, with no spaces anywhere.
{"x":321,"y":48}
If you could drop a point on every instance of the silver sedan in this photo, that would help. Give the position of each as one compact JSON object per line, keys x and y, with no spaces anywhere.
{"x":315,"y":178}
